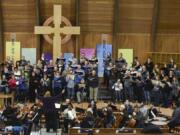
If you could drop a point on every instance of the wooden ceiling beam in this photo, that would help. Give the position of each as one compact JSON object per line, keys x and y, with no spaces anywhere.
{"x":154,"y":24}
{"x":38,"y":18}
{"x":77,"y":10}
{"x":115,"y":27}
{"x":1,"y":35}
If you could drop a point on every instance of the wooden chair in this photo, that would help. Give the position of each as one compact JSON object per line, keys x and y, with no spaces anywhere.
{"x":176,"y":130}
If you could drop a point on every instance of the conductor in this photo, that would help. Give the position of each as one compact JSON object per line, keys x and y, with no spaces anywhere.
{"x":49,"y":110}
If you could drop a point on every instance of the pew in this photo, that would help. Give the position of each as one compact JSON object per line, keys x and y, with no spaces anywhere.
{"x":112,"y":131}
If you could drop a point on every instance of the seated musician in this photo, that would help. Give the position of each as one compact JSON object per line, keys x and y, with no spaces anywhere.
{"x":125,"y":115}
{"x":88,"y":121}
{"x":109,"y":118}
{"x":141,"y":116}
{"x":65,"y":105}
{"x":9,"y":115}
{"x":70,"y":118}
{"x":175,"y":120}
{"x":92,"y":107}
{"x":35,"y":113}
{"x":128,"y":107}
{"x":152,"y":112}
{"x":16,"y":119}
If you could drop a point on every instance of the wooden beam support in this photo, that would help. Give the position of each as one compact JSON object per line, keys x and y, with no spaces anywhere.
{"x":154,"y":24}
{"x":1,"y":35}
{"x":115,"y":27}
{"x":77,"y":4}
{"x":38,"y":18}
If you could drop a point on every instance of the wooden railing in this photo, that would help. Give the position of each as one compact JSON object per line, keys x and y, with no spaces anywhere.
{"x":164,"y":57}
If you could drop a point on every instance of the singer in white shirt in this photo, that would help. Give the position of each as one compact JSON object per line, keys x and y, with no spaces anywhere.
{"x":118,"y":87}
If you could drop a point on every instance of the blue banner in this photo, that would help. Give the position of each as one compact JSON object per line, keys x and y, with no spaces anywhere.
{"x":67,"y":56}
{"x":101,"y":51}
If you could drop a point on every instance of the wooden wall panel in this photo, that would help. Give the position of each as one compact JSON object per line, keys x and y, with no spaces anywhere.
{"x":19,"y":18}
{"x":68,"y":10}
{"x":18,"y":15}
{"x":90,"y":39}
{"x":140,"y":43}
{"x":135,"y":16}
{"x":169,"y":16}
{"x":96,"y":16}
{"x":65,"y":48}
{"x":168,"y":43}
{"x":27,"y":39}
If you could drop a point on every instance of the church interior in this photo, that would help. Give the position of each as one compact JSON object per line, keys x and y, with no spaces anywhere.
{"x":89,"y":67}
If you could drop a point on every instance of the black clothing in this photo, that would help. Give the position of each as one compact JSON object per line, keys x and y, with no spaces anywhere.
{"x":149,"y":67}
{"x":33,"y":85}
{"x":88,"y":122}
{"x":50,"y":112}
{"x":175,"y":120}
{"x":93,"y":81}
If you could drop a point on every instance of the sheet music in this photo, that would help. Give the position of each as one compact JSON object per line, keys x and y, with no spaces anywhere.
{"x":57,"y":106}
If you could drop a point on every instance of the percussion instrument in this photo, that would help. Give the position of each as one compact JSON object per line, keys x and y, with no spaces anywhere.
{"x":160,"y":119}
{"x":159,"y":123}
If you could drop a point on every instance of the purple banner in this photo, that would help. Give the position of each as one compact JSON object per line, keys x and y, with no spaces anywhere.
{"x":87,"y":52}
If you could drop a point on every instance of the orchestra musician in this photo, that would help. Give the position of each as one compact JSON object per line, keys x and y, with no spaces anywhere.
{"x":175,"y":120}
{"x":88,"y":121}
{"x":70,"y":117}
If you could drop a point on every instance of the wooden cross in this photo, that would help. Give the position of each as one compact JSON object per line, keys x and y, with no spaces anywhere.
{"x":57,"y":30}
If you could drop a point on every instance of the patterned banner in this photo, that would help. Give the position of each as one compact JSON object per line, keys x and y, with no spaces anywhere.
{"x":13,"y":50}
{"x":102,"y":51}
{"x":87,"y":52}
{"x":29,"y":54}
{"x":67,"y":56}
{"x":128,"y":55}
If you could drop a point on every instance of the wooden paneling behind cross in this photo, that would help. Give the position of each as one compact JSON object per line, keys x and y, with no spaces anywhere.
{"x":57,"y":30}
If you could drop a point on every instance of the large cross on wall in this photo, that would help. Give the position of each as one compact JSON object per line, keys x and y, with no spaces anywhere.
{"x":57,"y":30}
